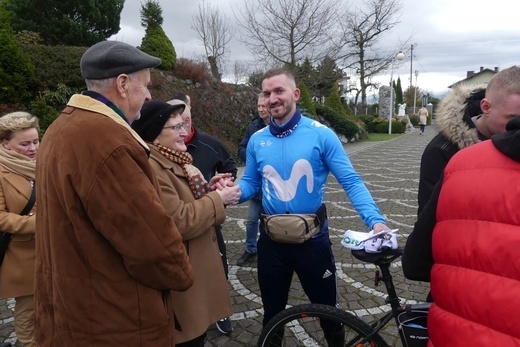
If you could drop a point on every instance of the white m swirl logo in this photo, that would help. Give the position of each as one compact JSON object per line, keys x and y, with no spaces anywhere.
{"x":286,"y":190}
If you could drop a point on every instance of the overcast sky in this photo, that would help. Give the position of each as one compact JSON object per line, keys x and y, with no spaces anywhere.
{"x":450,"y":37}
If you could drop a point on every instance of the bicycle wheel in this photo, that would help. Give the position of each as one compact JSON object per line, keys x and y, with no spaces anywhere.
{"x":317,"y":325}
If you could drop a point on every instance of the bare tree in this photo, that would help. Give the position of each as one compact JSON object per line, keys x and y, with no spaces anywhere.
{"x":240,"y":71}
{"x":411,"y":94}
{"x":287,"y":31}
{"x":215,"y":32}
{"x":362,"y":32}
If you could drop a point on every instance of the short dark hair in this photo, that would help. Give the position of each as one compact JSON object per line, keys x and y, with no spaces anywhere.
{"x":178,"y":95}
{"x":280,"y":71}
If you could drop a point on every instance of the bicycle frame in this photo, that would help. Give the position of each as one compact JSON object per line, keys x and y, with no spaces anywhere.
{"x":392,"y":299}
{"x":359,"y":332}
{"x":383,"y":261}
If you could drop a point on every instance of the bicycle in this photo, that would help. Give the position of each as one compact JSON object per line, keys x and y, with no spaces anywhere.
{"x":323,"y":325}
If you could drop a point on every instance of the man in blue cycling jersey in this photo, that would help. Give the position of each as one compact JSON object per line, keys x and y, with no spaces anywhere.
{"x":290,"y":160}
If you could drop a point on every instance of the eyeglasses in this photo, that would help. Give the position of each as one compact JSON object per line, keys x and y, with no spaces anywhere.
{"x":178,"y":127}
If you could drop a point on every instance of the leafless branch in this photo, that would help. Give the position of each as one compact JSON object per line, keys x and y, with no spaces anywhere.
{"x":215,"y":32}
{"x":362,"y":32}
{"x":287,"y":31}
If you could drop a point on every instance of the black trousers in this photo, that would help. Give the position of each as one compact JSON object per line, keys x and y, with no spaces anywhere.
{"x":196,"y":342}
{"x":312,"y":261}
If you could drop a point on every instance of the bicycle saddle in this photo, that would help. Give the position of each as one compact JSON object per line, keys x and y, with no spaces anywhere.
{"x":385,"y":256}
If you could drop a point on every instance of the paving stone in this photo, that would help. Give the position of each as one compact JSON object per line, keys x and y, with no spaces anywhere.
{"x":390,"y":170}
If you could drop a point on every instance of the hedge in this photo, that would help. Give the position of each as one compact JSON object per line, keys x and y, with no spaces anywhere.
{"x":339,"y":123}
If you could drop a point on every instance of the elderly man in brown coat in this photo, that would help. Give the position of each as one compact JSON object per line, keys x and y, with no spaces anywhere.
{"x":107,"y":252}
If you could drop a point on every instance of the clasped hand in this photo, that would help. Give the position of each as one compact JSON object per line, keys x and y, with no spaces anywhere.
{"x":223,"y":183}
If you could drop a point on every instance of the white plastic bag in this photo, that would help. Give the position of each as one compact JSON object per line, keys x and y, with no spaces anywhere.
{"x":370,"y":242}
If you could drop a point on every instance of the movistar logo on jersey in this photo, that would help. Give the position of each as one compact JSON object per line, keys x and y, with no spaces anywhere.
{"x":285,"y":190}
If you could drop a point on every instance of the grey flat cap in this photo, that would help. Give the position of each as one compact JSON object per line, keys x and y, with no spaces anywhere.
{"x":108,"y":59}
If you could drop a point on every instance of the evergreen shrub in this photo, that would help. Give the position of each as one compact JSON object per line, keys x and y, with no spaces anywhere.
{"x":305,"y":102}
{"x":339,"y":123}
{"x":398,"y":127}
{"x":370,"y":127}
{"x":45,"y":113}
{"x":414,"y":119}
{"x":54,"y":65}
{"x":156,"y":43}
{"x":16,"y":70}
{"x":333,"y":100}
{"x":366,"y":118}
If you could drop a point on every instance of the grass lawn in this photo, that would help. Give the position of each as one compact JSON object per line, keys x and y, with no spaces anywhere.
{"x":381,"y":137}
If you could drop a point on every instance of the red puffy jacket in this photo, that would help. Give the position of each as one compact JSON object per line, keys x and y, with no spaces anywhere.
{"x":475,"y":279}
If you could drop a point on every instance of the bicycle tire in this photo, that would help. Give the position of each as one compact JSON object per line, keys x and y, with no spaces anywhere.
{"x":301,"y":326}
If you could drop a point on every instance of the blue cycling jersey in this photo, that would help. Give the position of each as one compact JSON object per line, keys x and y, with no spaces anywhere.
{"x":292,"y":171}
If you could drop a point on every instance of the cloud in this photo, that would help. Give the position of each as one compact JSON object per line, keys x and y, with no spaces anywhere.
{"x":450,"y":37}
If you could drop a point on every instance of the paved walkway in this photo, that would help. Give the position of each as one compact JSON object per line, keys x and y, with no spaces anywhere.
{"x":390,"y":170}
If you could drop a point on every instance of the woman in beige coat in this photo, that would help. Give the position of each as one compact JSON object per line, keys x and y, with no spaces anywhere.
{"x":196,"y":208}
{"x":20,"y":141}
{"x":423,"y":118}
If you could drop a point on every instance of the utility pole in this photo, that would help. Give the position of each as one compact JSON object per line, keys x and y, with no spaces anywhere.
{"x":411,"y":63}
{"x":415,"y":91}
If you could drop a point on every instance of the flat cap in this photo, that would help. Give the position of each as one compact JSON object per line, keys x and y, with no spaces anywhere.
{"x":154,"y":115}
{"x":108,"y":59}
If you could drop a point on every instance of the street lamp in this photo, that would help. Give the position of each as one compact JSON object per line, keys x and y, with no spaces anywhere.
{"x":399,"y":56}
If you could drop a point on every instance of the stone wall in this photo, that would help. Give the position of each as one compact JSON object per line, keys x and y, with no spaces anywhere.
{"x":220,"y":109}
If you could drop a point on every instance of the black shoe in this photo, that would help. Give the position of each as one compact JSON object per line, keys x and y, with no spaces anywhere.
{"x":245,"y":258}
{"x":224,"y":326}
{"x":6,"y":344}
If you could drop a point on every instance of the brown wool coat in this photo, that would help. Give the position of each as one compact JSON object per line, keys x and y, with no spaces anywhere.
{"x":207,"y":300}
{"x":17,"y":270}
{"x":107,"y":254}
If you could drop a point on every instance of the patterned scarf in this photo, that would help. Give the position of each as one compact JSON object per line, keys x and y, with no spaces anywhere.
{"x":198,"y":184}
{"x":286,"y":129}
{"x":18,"y":163}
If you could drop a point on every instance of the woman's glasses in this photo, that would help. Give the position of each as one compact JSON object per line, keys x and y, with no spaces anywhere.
{"x":178,"y":127}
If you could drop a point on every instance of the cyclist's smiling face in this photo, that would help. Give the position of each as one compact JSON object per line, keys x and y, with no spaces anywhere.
{"x":280,"y":96}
